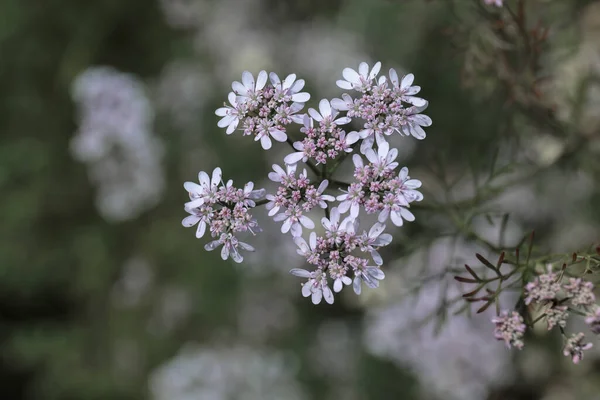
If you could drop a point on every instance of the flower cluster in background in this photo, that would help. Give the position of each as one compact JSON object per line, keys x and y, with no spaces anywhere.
{"x":116,"y":142}
{"x":265,"y":108}
{"x":553,"y":298}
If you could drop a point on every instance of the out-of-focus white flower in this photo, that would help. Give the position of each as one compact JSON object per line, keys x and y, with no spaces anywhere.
{"x":115,"y":140}
{"x":218,"y":372}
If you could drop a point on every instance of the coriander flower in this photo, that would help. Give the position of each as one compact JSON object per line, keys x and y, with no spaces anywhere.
{"x":325,"y":141}
{"x":580,"y":292}
{"x":224,"y":210}
{"x":593,"y":320}
{"x":575,"y":347}
{"x":316,"y":287}
{"x":376,"y":190}
{"x":510,"y":329}
{"x":294,"y":198}
{"x":384,"y":107}
{"x":232,"y":114}
{"x":360,"y":80}
{"x":338,"y":255}
{"x":263,"y":108}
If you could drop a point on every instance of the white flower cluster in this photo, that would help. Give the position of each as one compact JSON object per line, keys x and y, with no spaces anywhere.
{"x":116,"y":142}
{"x":266,"y":109}
{"x":222,"y":373}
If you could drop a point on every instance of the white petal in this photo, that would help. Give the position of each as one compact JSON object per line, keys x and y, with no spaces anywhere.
{"x":344,"y":85}
{"x":325,"y":108}
{"x":280,"y":217}
{"x":371,"y":156}
{"x":307,"y":222}
{"x":306,"y":290}
{"x":376,"y":230}
{"x":328,"y":294}
{"x":278,"y":135}
{"x":275,"y":81}
{"x":376,"y":257}
{"x":216,"y":177}
{"x":194,"y":203}
{"x":287,"y":224}
{"x":221,"y":112}
{"x":337,"y":285}
{"x":376,"y":273}
{"x":296,"y":230}
{"x":302,"y":97}
{"x":312,"y":239}
{"x":265,"y":142}
{"x":201,"y":229}
{"x":194,"y":188}
{"x":343,"y":121}
{"x":232,"y":98}
{"x":335,"y":215}
{"x":315,"y":114}
{"x":396,"y":218}
{"x":210,"y":246}
{"x":356,"y":285}
{"x":384,"y":215}
{"x":297,"y":86}
{"x":302,"y":273}
{"x":352,"y":138}
{"x":288,"y":81}
{"x":357,"y":160}
{"x":248,"y":187}
{"x":323,"y":186}
{"x":407,"y":215}
{"x":248,"y":80}
{"x":293,"y":158}
{"x":317,"y":295}
{"x":375,"y":70}
{"x":417,"y":132}
{"x":238,"y":88}
{"x":245,"y":246}
{"x":407,"y":80}
{"x":350,"y":75}
{"x":225,"y":252}
{"x":339,"y":104}
{"x":394,"y":77}
{"x":363,"y":69}
{"x":225,"y":121}
{"x":261,"y":80}
{"x":190,"y":220}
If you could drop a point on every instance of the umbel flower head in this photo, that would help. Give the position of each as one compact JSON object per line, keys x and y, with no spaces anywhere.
{"x":324,"y":139}
{"x":294,"y":198}
{"x":263,"y":109}
{"x":225,"y":210}
{"x":377,"y":190}
{"x":384,"y":106}
{"x":510,"y":329}
{"x":339,"y":256}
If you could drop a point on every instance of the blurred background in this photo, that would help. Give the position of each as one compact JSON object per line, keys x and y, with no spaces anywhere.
{"x":107,"y":107}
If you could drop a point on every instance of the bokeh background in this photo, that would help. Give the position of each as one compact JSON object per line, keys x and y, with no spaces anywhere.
{"x":107,"y":107}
